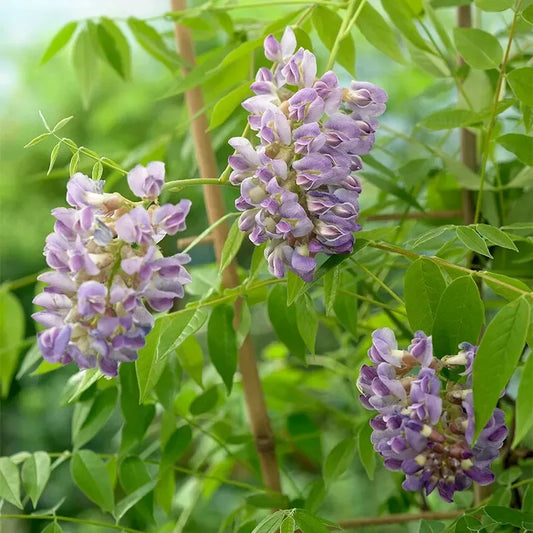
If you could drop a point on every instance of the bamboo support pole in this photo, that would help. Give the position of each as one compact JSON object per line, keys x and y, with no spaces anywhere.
{"x":253,"y":392}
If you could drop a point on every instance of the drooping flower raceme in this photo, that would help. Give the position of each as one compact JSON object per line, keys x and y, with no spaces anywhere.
{"x":298,"y":189}
{"x":108,"y":271}
{"x":424,"y":429}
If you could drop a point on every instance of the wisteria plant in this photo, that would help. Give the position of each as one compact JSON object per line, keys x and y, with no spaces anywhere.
{"x":241,"y":370}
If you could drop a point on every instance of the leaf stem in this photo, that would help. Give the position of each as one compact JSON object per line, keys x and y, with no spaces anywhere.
{"x":492,"y":121}
{"x":378,"y":281}
{"x":177,"y":185}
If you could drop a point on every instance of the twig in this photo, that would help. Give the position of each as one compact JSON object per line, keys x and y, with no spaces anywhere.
{"x":414,"y":216}
{"x":394,"y":519}
{"x":253,"y":392}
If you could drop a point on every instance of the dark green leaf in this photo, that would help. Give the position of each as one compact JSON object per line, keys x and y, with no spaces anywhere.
{"x":11,"y":336}
{"x":327,"y":24}
{"x":424,"y":285}
{"x":345,"y":307}
{"x":137,"y":483}
{"x":265,"y":501}
{"x":85,"y":61}
{"x":283,"y":320}
{"x":222,"y":343}
{"x":472,"y":240}
{"x":524,"y":402}
{"x":90,"y":475}
{"x":520,"y":145}
{"x":378,"y":33}
{"x":504,"y":515}
{"x":459,"y":316}
{"x":331,"y":286}
{"x":527,"y":14}
{"x":115,"y":46}
{"x":35,"y":473}
{"x":175,"y":447}
{"x":53,"y":527}
{"x":205,"y":402}
{"x":366,"y":450}
{"x":309,"y":523}
{"x":478,"y":48}
{"x":401,"y":15}
{"x":307,"y":321}
{"x":431,"y":526}
{"x":61,"y":38}
{"x":288,"y":525}
{"x":496,"y":236}
{"x":296,"y":287}
{"x":10,"y":482}
{"x":339,"y":459}
{"x":91,"y":415}
{"x":497,"y":357}
{"x":225,"y":107}
{"x":124,"y":505}
{"x":153,"y":43}
{"x":231,"y":246}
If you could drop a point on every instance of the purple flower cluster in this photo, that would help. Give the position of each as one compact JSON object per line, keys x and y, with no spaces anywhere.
{"x":107,"y":268}
{"x":298,"y":192}
{"x":422,"y":429}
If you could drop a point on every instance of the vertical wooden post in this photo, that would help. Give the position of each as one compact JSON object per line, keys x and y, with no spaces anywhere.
{"x":253,"y":391}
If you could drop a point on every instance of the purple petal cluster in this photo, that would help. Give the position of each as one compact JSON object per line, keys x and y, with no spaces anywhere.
{"x":424,"y":429}
{"x":298,"y":189}
{"x":108,"y":272}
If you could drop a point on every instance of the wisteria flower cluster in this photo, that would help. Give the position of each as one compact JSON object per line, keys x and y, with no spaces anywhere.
{"x":108,"y":271}
{"x":298,"y":191}
{"x":423,"y":429}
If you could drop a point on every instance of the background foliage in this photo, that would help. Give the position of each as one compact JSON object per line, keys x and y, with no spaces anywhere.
{"x":183,"y":459}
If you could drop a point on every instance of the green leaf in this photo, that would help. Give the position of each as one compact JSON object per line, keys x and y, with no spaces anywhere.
{"x":331,"y":286}
{"x":494,"y":5}
{"x":288,"y":525}
{"x":271,"y":523}
{"x":431,"y":526}
{"x":153,"y":43}
{"x":345,"y":308}
{"x":450,"y":118}
{"x":137,"y":417}
{"x":53,"y":527}
{"x":10,"y":482}
{"x":524,"y":402}
{"x":90,"y":475}
{"x":231,"y":246}
{"x":401,"y":15}
{"x":205,"y":402}
{"x":53,"y":157}
{"x":464,"y":176}
{"x":307,"y":321}
{"x":366,"y":450}
{"x":12,"y":328}
{"x":309,"y":523}
{"x":296,"y":287}
{"x":91,"y":415}
{"x":222,"y":343}
{"x":191,"y":358}
{"x":520,"y":145}
{"x":136,"y":481}
{"x":497,"y":357}
{"x":37,"y":139}
{"x":225,"y":107}
{"x":73,"y":165}
{"x":339,"y":459}
{"x":506,"y":292}
{"x":496,"y":236}
{"x":392,"y":188}
{"x":472,"y":240}
{"x":62,"y":123}
{"x":124,"y":505}
{"x":459,"y":316}
{"x":478,"y":48}
{"x":97,"y":171}
{"x":85,"y":62}
{"x":175,"y":447}
{"x":115,"y":46}
{"x":327,"y":24}
{"x":283,"y":320}
{"x":35,"y":473}
{"x":79,"y":383}
{"x":266,"y":501}
{"x":424,"y":285}
{"x":61,"y":38}
{"x":504,"y":515}
{"x":527,"y":14}
{"x":378,"y":33}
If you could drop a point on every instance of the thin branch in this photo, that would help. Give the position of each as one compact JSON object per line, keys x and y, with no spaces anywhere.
{"x":414,"y":216}
{"x":394,"y":519}
{"x":253,"y":392}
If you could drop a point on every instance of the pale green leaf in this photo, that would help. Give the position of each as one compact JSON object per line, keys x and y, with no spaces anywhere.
{"x":227,"y":104}
{"x":472,"y":240}
{"x":61,"y":38}
{"x":478,"y":48}
{"x":9,"y":482}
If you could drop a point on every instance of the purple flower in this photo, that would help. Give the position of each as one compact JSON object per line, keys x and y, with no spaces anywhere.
{"x":428,"y":433}
{"x":106,"y":269}
{"x":367,"y":99}
{"x":276,"y":51}
{"x":147,"y":182}
{"x":306,"y":106}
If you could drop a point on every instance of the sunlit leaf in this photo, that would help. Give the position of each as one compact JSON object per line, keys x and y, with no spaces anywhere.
{"x":61,"y":38}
